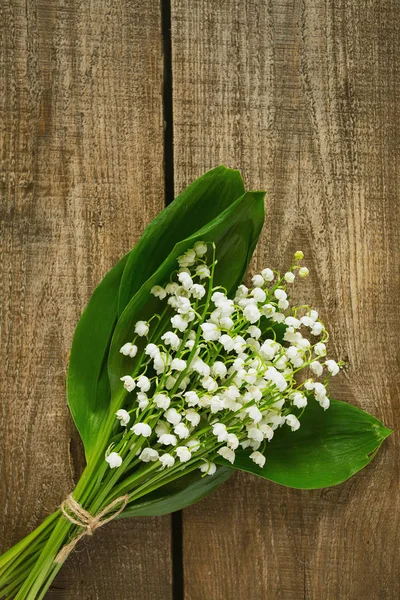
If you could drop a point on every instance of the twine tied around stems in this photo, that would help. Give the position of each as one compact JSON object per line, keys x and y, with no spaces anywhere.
{"x":77,"y":515}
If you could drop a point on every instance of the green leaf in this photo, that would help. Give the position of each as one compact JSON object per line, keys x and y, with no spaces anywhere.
{"x":329,"y":447}
{"x":88,"y":391}
{"x":197,"y":205}
{"x":235,"y":233}
{"x":178,"y":494}
{"x":88,"y":388}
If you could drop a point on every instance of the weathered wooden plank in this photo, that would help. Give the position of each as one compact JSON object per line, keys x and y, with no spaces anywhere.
{"x":82,"y":173}
{"x":303,"y":97}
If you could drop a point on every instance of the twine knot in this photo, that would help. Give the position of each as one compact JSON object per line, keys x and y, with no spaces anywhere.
{"x":77,"y":515}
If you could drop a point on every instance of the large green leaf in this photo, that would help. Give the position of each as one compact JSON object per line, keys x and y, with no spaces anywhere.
{"x":178,"y":494}
{"x":88,"y":388}
{"x":197,"y":205}
{"x":235,"y":233}
{"x":329,"y":447}
{"x":88,"y":391}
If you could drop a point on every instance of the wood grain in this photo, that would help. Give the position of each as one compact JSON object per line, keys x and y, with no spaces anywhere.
{"x":303,"y":97}
{"x":81,"y":175}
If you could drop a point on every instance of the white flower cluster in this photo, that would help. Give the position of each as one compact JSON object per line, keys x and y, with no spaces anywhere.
{"x":224,"y":374}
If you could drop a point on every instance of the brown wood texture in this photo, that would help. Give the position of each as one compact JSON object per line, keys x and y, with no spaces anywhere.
{"x":303,"y":97}
{"x":81,"y":175}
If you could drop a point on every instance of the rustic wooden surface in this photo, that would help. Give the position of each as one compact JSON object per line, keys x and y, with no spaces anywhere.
{"x":303,"y":96}
{"x":81,"y":175}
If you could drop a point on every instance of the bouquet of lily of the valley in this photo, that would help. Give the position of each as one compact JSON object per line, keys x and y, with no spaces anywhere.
{"x":179,"y":373}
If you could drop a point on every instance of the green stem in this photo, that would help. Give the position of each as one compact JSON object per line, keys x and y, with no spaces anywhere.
{"x":100,"y":499}
{"x":50,"y":578}
{"x":18,"y":577}
{"x":126,"y":485}
{"x":13,"y":552}
{"x":44,"y":564}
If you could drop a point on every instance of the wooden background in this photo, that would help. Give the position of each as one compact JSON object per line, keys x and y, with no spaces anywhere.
{"x":302,"y":96}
